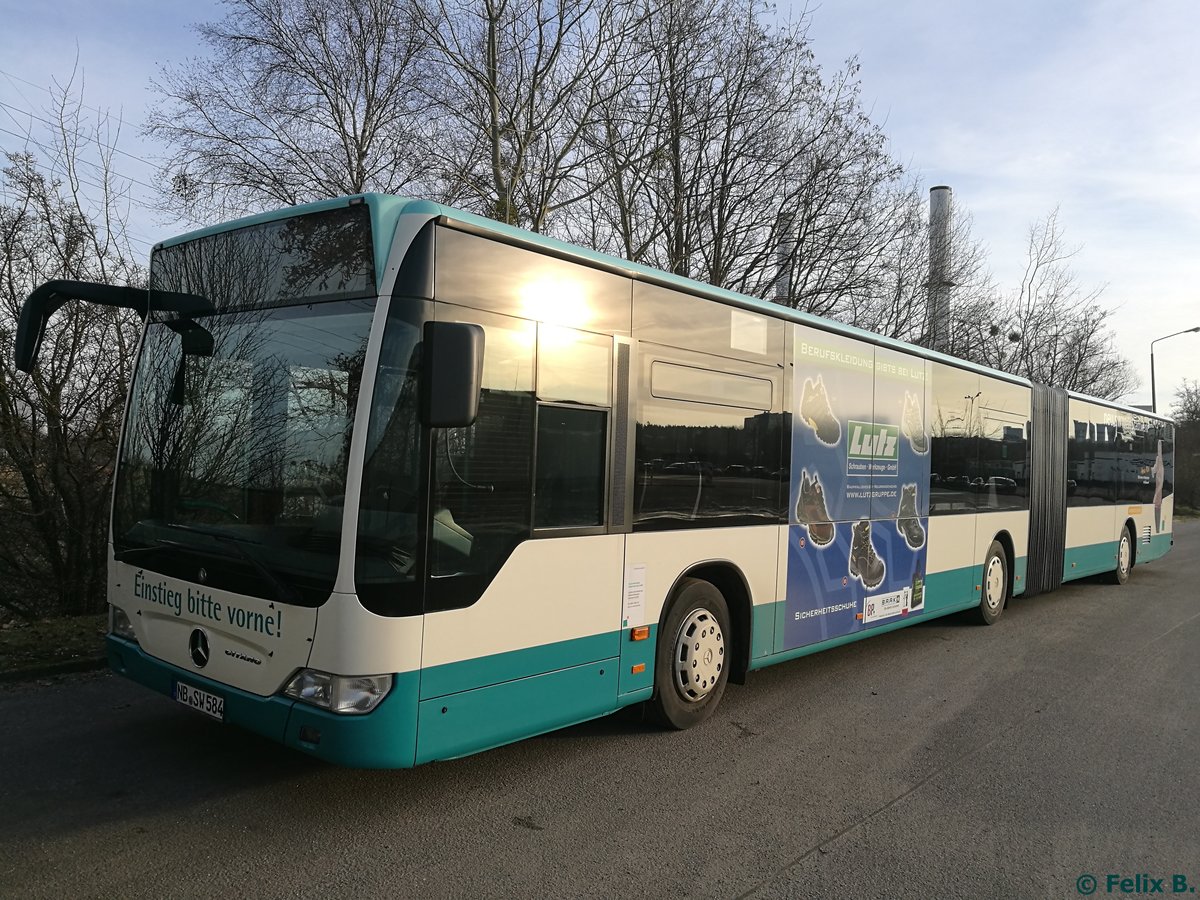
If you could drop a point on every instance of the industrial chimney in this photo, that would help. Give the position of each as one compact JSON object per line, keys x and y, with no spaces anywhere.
{"x":937,"y":327}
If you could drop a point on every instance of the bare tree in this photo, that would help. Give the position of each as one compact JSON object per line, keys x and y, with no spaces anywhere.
{"x":519,"y":86}
{"x":1186,"y":406}
{"x":1051,"y":329}
{"x":728,"y":145}
{"x":59,"y":426}
{"x":1186,"y":455}
{"x":297,"y":100}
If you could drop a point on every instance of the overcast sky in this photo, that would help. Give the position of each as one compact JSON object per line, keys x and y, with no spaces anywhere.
{"x":1019,"y":106}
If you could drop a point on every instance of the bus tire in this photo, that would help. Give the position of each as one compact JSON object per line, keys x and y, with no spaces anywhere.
{"x":995,"y":585}
{"x":693,"y":656}
{"x":1120,"y":574}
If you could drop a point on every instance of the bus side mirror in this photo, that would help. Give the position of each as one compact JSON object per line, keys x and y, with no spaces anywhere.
{"x":31,"y":327}
{"x":451,"y":374}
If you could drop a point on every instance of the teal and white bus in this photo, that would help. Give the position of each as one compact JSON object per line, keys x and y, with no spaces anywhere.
{"x":398,"y":483}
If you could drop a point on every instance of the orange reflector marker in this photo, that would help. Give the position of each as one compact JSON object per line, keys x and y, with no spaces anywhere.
{"x":638,"y":669}
{"x":858,"y":616}
{"x":640,"y":633}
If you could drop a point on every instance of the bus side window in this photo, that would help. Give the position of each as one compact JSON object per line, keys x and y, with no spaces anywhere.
{"x":574,"y":389}
{"x":569,"y":489}
{"x":482,"y":473}
{"x":708,"y":444}
{"x":955,"y":423}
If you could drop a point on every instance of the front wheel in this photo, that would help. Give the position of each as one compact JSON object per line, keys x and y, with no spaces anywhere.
{"x":691,"y":662}
{"x":995,"y":584}
{"x":1120,"y":574}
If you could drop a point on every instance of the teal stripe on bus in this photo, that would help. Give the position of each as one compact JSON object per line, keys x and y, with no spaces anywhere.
{"x":946,"y":592}
{"x":464,"y":723}
{"x":267,"y":716}
{"x":1090,"y":559}
{"x":468,"y":674}
{"x":1158,"y":546}
{"x":1020,"y":574}
{"x":385,"y":738}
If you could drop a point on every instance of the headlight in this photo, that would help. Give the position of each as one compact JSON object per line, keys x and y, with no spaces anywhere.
{"x":349,"y":694}
{"x":119,"y":624}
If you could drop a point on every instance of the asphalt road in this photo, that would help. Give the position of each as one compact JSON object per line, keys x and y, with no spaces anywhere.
{"x":945,"y":759}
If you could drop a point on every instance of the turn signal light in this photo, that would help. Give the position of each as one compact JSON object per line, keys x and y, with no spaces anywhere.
{"x":641,"y":633}
{"x":638,"y":669}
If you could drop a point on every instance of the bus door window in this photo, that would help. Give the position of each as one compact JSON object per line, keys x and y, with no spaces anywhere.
{"x":574,"y":383}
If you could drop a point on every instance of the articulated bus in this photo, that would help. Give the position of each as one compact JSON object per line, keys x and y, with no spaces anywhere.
{"x":398,"y":483}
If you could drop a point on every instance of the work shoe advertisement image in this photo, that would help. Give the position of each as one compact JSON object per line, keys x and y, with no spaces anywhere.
{"x":859,"y":488}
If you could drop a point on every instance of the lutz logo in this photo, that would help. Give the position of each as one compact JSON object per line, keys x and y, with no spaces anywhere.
{"x":869,"y":441}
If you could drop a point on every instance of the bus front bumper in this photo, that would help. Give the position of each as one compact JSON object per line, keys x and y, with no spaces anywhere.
{"x":385,"y":738}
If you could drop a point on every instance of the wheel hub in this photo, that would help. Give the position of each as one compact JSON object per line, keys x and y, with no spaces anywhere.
{"x":994,"y":583}
{"x":699,"y":655}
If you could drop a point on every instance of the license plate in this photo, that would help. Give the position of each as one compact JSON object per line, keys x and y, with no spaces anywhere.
{"x":209,"y":704}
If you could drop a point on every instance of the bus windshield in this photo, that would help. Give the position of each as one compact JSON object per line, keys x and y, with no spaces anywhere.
{"x":250,"y":442}
{"x":238,"y":434}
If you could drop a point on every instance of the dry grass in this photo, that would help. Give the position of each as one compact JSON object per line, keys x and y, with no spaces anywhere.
{"x":33,"y":645}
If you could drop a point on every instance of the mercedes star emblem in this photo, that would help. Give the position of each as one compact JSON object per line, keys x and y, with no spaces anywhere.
{"x":198,"y":646}
{"x":203,"y":575}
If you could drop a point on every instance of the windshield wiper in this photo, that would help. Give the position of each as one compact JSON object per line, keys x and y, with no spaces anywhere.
{"x":283,"y":592}
{"x":209,"y":531}
{"x":159,"y":544}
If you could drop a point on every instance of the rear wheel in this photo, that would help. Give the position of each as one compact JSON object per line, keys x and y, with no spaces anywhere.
{"x":995,"y":584}
{"x":1120,"y":574}
{"x":691,"y":663}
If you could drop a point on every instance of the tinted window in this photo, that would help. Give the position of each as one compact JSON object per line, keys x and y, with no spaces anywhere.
{"x":574,"y":366}
{"x":955,"y":424}
{"x":486,"y":274}
{"x":669,"y":381}
{"x":1167,"y":434}
{"x":482,"y":475}
{"x":1104,"y":477}
{"x":386,"y":568}
{"x":681,"y":320}
{"x":1099,"y":450}
{"x":571,"y":445}
{"x":1138,"y":457}
{"x":1001,"y":482}
{"x":700,"y":464}
{"x":320,"y":256}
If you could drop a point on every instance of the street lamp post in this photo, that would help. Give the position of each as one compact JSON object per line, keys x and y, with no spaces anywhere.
{"x":1153,"y":397}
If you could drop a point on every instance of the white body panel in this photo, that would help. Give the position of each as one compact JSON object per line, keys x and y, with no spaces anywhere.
{"x":254,"y":644}
{"x":756,"y":550}
{"x":1088,"y":525}
{"x":548,"y":591}
{"x":990,"y":524}
{"x":781,"y":561}
{"x":350,"y":640}
{"x":952,"y":543}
